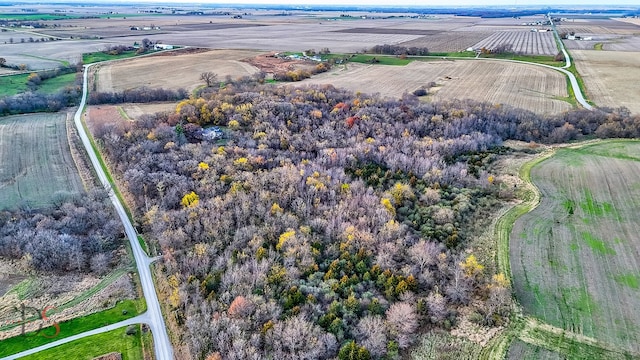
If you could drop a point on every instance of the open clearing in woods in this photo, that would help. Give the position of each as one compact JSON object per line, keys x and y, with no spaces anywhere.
{"x":525,"y":86}
{"x":35,"y":160}
{"x":575,"y":259}
{"x":174,"y":71}
{"x":611,"y":78}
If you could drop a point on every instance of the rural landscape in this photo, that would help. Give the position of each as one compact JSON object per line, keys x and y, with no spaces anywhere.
{"x":206,"y":181}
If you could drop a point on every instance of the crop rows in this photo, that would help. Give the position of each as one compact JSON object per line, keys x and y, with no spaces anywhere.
{"x":451,"y":41}
{"x":531,"y":43}
{"x":35,"y":160}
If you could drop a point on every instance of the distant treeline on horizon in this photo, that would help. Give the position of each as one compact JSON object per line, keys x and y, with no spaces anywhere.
{"x":476,"y":11}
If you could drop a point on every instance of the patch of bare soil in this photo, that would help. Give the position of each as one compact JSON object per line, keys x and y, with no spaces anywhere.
{"x":111,"y":356}
{"x":270,"y":63}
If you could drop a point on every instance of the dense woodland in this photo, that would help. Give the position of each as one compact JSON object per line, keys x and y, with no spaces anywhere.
{"x":328,"y":223}
{"x":80,"y":233}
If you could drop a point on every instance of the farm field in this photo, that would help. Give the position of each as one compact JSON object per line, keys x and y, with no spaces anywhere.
{"x":522,"y":41}
{"x":35,"y":160}
{"x":525,"y":86}
{"x":611,"y":78}
{"x":449,"y":41}
{"x":576,"y":257}
{"x":174,"y":72}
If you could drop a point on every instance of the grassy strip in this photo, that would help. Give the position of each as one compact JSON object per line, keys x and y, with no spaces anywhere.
{"x":598,"y":46}
{"x":130,"y":346}
{"x":63,"y":62}
{"x":123,"y":113}
{"x":123,"y":310}
{"x":530,"y":199}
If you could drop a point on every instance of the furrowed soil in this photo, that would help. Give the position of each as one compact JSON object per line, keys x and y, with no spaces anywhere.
{"x":611,"y":78}
{"x":35,"y":160}
{"x":174,"y":72}
{"x":520,"y":85}
{"x":575,"y":259}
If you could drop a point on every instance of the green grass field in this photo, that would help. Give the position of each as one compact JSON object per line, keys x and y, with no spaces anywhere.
{"x":35,"y":17}
{"x":72,"y":327}
{"x":12,"y":85}
{"x":575,"y":259}
{"x":53,"y":85}
{"x":130,"y":346}
{"x":89,"y":58}
{"x":382,"y":59}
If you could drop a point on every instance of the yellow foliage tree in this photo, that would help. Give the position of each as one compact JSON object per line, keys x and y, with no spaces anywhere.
{"x":389,"y":206}
{"x":471,"y":266}
{"x":284,"y":237}
{"x":190,"y":200}
{"x":276,"y":209}
{"x":203,"y":166}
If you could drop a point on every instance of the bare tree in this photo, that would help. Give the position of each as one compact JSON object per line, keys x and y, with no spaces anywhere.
{"x":209,"y":77}
{"x":403,"y":319}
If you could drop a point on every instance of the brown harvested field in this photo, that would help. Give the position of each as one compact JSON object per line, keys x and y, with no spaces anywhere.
{"x":174,"y":72}
{"x":628,"y":43}
{"x":35,"y":160}
{"x":525,"y":86}
{"x":450,"y":41}
{"x":576,"y":257}
{"x":611,"y":78}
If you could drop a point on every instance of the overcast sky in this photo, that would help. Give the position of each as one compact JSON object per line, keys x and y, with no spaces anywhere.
{"x":422,"y":3}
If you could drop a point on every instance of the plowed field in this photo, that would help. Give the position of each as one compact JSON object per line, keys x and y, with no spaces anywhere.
{"x":35,"y":160}
{"x":525,"y":86}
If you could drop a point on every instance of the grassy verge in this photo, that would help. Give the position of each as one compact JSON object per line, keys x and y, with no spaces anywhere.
{"x":598,"y":46}
{"x":130,"y":346}
{"x":123,"y":310}
{"x":143,"y":244}
{"x":538,"y":59}
{"x":572,"y":69}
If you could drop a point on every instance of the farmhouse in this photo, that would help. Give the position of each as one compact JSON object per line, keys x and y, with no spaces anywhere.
{"x":212,"y":133}
{"x":163,"y":47}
